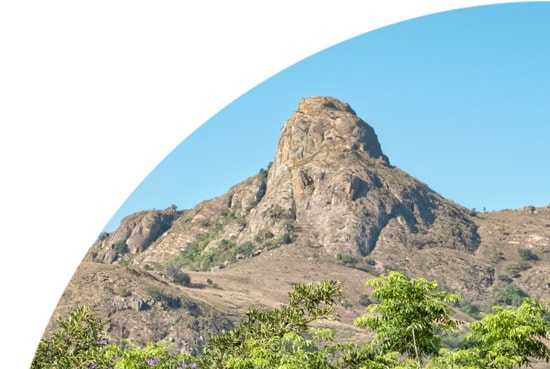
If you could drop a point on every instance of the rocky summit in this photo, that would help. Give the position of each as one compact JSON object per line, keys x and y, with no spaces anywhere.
{"x":330,"y":205}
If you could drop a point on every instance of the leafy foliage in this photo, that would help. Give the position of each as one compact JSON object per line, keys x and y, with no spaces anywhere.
{"x":80,"y":342}
{"x":409,"y":316}
{"x":511,"y":336}
{"x":280,"y":337}
{"x":152,"y":355}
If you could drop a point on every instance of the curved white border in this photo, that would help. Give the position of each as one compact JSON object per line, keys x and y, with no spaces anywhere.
{"x":94,"y":96}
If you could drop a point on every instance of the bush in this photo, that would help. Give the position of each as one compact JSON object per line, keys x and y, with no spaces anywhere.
{"x":182,"y":278}
{"x":154,"y":292}
{"x":527,"y":255}
{"x":515,"y":268}
{"x":263,"y":234}
{"x":274,"y":212}
{"x":346,"y":259}
{"x":103,"y":235}
{"x":124,"y":292}
{"x":286,"y":239}
{"x":495,"y":256}
{"x":245,"y":248}
{"x":508,"y":294}
{"x":364,"y":300}
{"x":120,"y":247}
{"x":159,"y":296}
{"x":504,"y":278}
{"x":469,"y":308}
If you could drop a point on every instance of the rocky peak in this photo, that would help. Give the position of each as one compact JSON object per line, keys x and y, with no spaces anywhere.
{"x":333,"y":181}
{"x":320,"y":124}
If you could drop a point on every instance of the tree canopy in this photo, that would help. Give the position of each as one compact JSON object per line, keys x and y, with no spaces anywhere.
{"x":410,"y":315}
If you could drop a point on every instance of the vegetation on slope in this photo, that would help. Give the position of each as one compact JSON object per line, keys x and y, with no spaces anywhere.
{"x":407,"y":316}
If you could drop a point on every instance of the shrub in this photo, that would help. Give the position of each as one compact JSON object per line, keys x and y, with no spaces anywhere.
{"x":504,"y":278}
{"x":508,"y":294}
{"x":364,"y":300}
{"x":346,"y":259}
{"x":286,"y":239}
{"x":124,"y":292}
{"x":120,"y":247}
{"x":527,"y":255}
{"x":244,"y":248}
{"x":494,"y":255}
{"x":468,"y":307}
{"x":182,"y":278}
{"x":263,"y":234}
{"x":159,"y":296}
{"x":154,"y":292}
{"x":516,"y":268}
{"x":370,"y":261}
{"x":274,"y":212}
{"x":103,"y":235}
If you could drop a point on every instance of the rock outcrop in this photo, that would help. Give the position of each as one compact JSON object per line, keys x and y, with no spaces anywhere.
{"x":136,"y":233}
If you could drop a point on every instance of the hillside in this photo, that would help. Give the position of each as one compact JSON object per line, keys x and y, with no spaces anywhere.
{"x":329,"y":206}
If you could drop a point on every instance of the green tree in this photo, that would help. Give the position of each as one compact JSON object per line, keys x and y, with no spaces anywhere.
{"x":510,"y":336}
{"x":279,"y":338}
{"x":409,"y":316}
{"x":80,"y":342}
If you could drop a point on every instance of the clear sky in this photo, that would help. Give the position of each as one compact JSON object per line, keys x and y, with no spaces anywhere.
{"x":460,"y":100}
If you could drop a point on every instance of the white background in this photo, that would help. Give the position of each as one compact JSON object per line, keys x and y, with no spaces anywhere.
{"x":93,"y":95}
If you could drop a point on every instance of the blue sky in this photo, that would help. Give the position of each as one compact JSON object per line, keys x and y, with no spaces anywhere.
{"x":458,"y":99}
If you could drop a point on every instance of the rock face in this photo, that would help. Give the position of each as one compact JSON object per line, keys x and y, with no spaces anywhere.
{"x":323,"y":124}
{"x":136,"y":233}
{"x":331,"y":177}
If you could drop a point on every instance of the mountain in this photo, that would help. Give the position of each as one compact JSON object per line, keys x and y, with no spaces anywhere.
{"x":330,"y":205}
